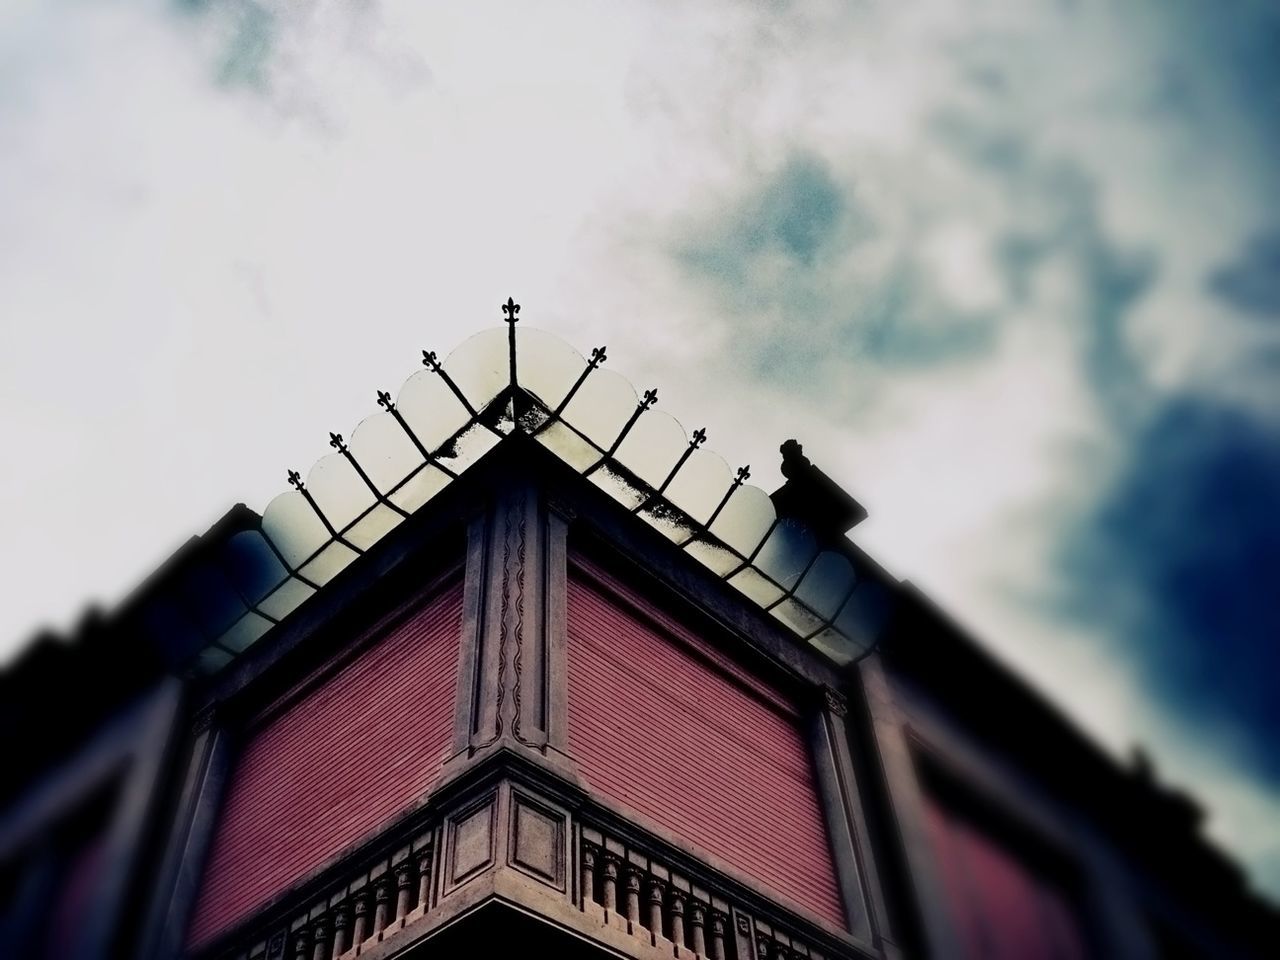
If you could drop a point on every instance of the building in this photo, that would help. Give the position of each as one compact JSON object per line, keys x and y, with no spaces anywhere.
{"x":522,"y":668}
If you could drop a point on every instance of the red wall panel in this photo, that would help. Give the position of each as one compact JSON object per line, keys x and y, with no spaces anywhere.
{"x":661,"y":722}
{"x":1003,"y":908}
{"x":363,"y":745}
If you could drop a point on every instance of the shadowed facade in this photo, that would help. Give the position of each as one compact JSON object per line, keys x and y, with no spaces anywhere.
{"x":522,"y":666}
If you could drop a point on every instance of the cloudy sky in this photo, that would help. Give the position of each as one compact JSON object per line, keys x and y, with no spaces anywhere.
{"x":1009,"y":269}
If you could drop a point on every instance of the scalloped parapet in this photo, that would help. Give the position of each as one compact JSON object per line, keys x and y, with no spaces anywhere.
{"x":445,"y":418}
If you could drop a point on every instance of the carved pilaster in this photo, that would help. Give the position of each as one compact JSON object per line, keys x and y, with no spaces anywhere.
{"x":835,"y":702}
{"x":202,"y":720}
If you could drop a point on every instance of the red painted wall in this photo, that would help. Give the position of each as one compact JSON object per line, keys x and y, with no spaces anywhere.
{"x":1003,"y":908}
{"x":362,"y":746}
{"x":662,"y":723}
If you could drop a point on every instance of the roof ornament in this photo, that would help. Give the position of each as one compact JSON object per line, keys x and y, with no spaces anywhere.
{"x":598,"y":357}
{"x":336,"y":441}
{"x":698,"y":438}
{"x":511,"y":311}
{"x":295,"y":480}
{"x":738,"y":480}
{"x":385,"y":401}
{"x":432,"y":363}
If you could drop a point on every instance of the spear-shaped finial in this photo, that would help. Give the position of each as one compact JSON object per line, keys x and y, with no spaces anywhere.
{"x":650,"y":398}
{"x":295,"y":480}
{"x":429,"y":360}
{"x":510,"y":310}
{"x":335,"y":441}
{"x":699,"y":437}
{"x":384,"y":401}
{"x":597,"y":356}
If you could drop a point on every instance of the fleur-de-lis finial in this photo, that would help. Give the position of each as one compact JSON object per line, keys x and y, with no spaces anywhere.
{"x":699,"y":437}
{"x":510,"y":309}
{"x":597,"y":356}
{"x":384,"y":401}
{"x":429,"y":360}
{"x":335,"y":441}
{"x":650,"y":398}
{"x":743,"y":473}
{"x":295,"y":480}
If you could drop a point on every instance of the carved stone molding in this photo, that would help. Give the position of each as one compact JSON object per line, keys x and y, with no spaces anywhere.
{"x":835,"y":702}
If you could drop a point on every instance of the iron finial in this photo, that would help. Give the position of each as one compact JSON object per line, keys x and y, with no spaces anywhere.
{"x":699,"y":437}
{"x":295,"y":480}
{"x":650,"y":398}
{"x":429,"y":360}
{"x":335,"y":441}
{"x":597,"y":356}
{"x":743,"y":473}
{"x":384,"y":401}
{"x":510,"y":309}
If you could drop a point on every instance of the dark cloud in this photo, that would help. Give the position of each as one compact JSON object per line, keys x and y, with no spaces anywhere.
{"x":797,"y":213}
{"x":787,"y":255}
{"x":1180,"y":563}
{"x":1252,"y":283}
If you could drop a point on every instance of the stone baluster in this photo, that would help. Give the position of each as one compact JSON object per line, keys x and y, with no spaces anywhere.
{"x":609,"y":888}
{"x":360,"y":927}
{"x":676,"y":911}
{"x":341,"y":929}
{"x":588,"y":873}
{"x":424,"y":876}
{"x":634,"y":875}
{"x":718,"y":925}
{"x":320,"y":938}
{"x":697,"y":927}
{"x":655,"y":906}
{"x":382,"y":903}
{"x":301,"y":943}
{"x":404,"y":888}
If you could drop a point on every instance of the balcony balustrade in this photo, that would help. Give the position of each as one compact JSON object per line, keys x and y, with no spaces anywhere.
{"x":568,"y":859}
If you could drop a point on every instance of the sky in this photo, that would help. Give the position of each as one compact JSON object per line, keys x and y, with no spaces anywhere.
{"x":1009,"y":270}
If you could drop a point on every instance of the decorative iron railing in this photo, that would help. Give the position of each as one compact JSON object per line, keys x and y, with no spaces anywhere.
{"x":449,"y":415}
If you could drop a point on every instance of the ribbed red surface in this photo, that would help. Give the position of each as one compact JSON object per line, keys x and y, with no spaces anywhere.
{"x":673,"y":731}
{"x":360,"y":747}
{"x":1002,"y":907}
